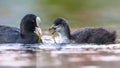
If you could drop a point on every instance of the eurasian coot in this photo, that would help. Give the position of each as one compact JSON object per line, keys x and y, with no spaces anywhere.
{"x":25,"y":34}
{"x":83,"y":35}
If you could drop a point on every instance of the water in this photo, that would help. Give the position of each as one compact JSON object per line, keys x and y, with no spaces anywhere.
{"x":50,"y":55}
{"x":79,"y":13}
{"x":79,"y":56}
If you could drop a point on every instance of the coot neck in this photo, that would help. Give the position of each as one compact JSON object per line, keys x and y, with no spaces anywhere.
{"x":66,"y":37}
{"x":65,"y":34}
{"x":26,"y":29}
{"x":67,"y":31}
{"x":24,"y":32}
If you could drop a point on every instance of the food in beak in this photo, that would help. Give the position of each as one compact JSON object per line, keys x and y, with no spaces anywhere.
{"x":52,"y":30}
{"x":53,"y":33}
{"x":39,"y":33}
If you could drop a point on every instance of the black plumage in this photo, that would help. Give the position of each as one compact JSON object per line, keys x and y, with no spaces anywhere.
{"x":94,"y":35}
{"x":24,"y":35}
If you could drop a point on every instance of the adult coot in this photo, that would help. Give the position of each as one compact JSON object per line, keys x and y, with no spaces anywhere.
{"x":84,"y":35}
{"x":24,"y":35}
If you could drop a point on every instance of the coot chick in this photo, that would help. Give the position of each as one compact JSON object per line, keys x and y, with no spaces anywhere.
{"x":83,"y":35}
{"x":25,"y":34}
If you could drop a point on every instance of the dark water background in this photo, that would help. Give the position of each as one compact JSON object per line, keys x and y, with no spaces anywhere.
{"x":79,"y":13}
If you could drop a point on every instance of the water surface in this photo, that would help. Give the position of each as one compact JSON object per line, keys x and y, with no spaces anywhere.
{"x":51,"y":55}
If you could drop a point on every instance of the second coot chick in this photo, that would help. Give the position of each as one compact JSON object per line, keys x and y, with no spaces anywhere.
{"x":84,"y":35}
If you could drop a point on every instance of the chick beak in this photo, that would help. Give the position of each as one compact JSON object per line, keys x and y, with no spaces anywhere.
{"x":52,"y":29}
{"x":38,"y":30}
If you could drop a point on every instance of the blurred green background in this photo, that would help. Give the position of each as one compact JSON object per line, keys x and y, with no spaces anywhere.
{"x":79,"y":13}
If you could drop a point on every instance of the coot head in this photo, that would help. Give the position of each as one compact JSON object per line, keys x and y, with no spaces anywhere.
{"x":29,"y":23}
{"x":61,"y":26}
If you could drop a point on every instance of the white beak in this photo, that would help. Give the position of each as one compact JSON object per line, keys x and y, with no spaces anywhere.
{"x":38,"y":21}
{"x":38,"y":30}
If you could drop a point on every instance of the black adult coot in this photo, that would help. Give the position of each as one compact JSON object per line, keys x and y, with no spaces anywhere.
{"x":25,"y":34}
{"x":84,"y":35}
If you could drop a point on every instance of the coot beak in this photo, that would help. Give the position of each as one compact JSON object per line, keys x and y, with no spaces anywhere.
{"x":52,"y":29}
{"x":38,"y":21}
{"x":38,"y":30}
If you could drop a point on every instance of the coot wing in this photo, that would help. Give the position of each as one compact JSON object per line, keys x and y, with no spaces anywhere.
{"x":81,"y":35}
{"x":8,"y":34}
{"x":7,"y":29}
{"x":94,"y":35}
